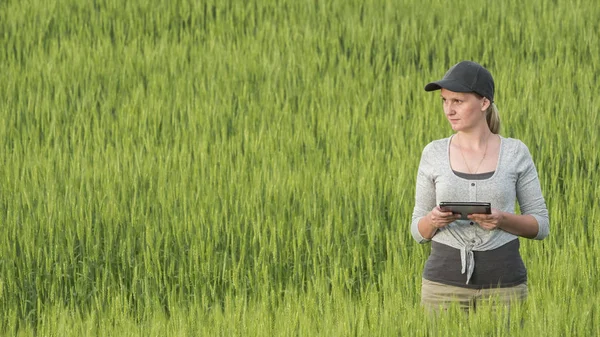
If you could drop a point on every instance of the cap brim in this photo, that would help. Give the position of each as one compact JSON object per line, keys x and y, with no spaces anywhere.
{"x":447,"y":84}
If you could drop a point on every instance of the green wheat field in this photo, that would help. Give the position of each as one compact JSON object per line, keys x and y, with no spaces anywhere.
{"x":247,"y":168}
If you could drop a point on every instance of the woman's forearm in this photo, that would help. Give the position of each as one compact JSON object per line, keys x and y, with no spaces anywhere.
{"x":426,"y":228}
{"x":519,"y":224}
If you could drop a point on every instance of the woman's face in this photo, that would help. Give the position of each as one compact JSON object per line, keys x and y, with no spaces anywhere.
{"x":464,"y":110}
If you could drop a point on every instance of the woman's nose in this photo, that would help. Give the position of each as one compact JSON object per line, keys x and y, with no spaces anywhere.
{"x":448,"y":110}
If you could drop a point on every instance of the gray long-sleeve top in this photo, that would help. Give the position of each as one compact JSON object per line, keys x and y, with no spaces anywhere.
{"x":515,"y":178}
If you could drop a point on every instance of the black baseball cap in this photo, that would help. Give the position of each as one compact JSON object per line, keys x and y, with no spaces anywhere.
{"x":466,"y":76}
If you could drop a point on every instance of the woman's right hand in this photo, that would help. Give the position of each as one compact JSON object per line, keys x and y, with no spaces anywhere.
{"x":434,"y":220}
{"x":439,"y":218}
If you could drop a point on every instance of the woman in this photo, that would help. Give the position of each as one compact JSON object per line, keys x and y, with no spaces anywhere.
{"x":474,"y":259}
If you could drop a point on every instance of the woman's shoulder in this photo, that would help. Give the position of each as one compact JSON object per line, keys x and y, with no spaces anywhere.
{"x":434,"y":153}
{"x":514,"y":145}
{"x":437,"y":146}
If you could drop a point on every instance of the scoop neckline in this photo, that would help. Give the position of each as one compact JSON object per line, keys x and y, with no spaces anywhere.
{"x":459,"y":177}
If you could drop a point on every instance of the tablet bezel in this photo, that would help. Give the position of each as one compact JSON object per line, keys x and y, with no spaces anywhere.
{"x":466,"y":208}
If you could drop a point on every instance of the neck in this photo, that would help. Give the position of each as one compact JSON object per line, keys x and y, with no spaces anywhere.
{"x":474,"y":140}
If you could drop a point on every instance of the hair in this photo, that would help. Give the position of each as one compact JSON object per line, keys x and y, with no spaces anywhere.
{"x":493,"y":118}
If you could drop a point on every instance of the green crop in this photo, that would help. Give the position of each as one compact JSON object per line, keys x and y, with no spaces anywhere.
{"x":247,"y":168}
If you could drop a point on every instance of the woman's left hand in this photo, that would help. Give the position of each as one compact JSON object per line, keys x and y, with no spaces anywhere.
{"x":488,"y":221}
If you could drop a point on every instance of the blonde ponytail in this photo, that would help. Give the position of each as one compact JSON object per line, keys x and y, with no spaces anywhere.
{"x":493,"y":118}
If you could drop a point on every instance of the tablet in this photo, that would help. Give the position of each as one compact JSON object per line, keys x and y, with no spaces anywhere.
{"x":466,"y":208}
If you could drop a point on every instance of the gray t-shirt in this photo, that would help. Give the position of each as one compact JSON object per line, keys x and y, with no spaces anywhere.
{"x":515,"y":179}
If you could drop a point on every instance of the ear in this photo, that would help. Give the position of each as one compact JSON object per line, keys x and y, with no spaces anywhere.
{"x":485,"y":104}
